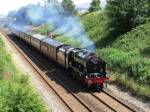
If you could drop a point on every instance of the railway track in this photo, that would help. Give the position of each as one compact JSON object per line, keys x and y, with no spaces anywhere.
{"x":113,"y":103}
{"x":97,"y":96}
{"x":104,"y":91}
{"x":43,"y":76}
{"x":60,"y":82}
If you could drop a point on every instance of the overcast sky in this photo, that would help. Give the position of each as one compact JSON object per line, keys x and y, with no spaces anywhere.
{"x":8,"y":5}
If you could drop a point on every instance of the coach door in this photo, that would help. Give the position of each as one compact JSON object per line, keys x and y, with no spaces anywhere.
{"x":44,"y":48}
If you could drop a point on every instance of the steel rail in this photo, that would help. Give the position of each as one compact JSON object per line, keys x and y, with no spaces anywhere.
{"x":38,"y":71}
{"x":43,"y":76}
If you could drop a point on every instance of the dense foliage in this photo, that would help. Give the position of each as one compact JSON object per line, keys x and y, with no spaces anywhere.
{"x":138,"y":38}
{"x":133,"y":70}
{"x":126,"y":54}
{"x":131,"y":62}
{"x":127,"y":14}
{"x":94,"y":6}
{"x":16,"y":94}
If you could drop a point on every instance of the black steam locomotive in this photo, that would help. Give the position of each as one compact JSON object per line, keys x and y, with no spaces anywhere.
{"x":83,"y":64}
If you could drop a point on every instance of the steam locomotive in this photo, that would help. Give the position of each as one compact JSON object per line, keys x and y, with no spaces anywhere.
{"x":79,"y":62}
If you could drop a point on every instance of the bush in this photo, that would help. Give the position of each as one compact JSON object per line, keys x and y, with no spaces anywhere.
{"x":127,"y":14}
{"x":18,"y":98}
{"x":16,"y":94}
{"x":132,"y":63}
{"x":1,"y":58}
{"x":138,"y":38}
{"x":129,"y":83}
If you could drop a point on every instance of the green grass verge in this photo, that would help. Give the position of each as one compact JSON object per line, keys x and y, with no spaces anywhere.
{"x":97,"y":27}
{"x":16,"y":94}
{"x":132,"y":63}
{"x":123,"y":54}
{"x":69,"y":41}
{"x":136,"y":68}
{"x":44,"y":29}
{"x":126,"y":82}
{"x":138,"y":38}
{"x":128,"y":54}
{"x":95,"y":24}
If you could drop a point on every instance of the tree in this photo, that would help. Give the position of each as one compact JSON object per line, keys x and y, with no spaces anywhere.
{"x":68,"y":6}
{"x":127,"y":14}
{"x":95,"y":5}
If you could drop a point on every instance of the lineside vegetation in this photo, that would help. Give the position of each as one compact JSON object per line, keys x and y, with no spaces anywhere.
{"x":127,"y":55}
{"x":121,"y":33}
{"x":16,"y":93}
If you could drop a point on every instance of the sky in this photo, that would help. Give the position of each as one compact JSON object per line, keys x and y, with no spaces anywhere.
{"x":8,"y":5}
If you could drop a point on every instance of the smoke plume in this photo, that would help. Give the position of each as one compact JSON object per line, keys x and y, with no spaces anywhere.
{"x":64,"y":24}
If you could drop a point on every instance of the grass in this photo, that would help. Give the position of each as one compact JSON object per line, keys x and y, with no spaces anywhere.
{"x":92,"y":21}
{"x":127,"y":54}
{"x":69,"y":41}
{"x":138,"y":38}
{"x":132,"y":63}
{"x":44,"y":29}
{"x":97,"y":26}
{"x":16,"y":93}
{"x":47,"y":27}
{"x":146,"y":52}
{"x":128,"y":69}
{"x":128,"y":83}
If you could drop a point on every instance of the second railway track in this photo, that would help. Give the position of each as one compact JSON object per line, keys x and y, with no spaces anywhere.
{"x":85,"y":106}
{"x":76,"y":101}
{"x":115,"y":104}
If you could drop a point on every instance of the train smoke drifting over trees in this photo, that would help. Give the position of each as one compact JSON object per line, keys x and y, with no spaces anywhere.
{"x":69,"y":7}
{"x":64,"y":24}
